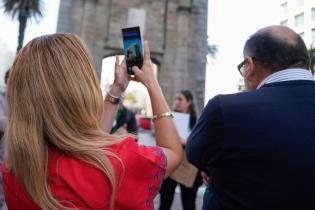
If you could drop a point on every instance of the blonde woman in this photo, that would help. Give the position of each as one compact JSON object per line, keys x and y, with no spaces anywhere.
{"x":59,"y":154}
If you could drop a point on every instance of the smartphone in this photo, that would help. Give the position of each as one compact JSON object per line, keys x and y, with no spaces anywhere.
{"x":132,"y":48}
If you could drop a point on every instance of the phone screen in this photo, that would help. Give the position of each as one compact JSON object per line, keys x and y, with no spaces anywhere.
{"x":132,"y":48}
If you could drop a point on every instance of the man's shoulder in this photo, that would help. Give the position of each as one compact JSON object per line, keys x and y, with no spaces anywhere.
{"x":266,"y":90}
{"x":231,"y":97}
{"x":269,"y":93}
{"x":235,"y":101}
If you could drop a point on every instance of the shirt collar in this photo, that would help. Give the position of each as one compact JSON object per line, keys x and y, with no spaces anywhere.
{"x":287,"y":75}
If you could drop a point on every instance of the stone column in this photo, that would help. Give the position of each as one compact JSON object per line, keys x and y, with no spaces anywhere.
{"x":198,"y":47}
{"x":64,"y":18}
{"x":167,"y":74}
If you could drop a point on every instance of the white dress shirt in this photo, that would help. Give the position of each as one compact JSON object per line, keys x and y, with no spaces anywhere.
{"x":287,"y":75}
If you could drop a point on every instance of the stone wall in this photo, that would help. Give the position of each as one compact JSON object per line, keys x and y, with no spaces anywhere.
{"x":176,"y":30}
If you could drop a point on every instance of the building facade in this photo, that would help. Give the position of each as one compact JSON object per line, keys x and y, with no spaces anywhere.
{"x":300,"y":16}
{"x":176,"y":30}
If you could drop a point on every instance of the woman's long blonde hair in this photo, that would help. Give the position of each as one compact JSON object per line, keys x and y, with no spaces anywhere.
{"x":54,"y":98}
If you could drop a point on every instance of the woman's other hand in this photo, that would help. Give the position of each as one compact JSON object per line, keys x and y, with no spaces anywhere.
{"x":119,"y":86}
{"x":121,"y":80}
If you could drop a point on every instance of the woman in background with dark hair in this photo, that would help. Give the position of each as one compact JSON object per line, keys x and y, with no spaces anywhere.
{"x":183,"y":103}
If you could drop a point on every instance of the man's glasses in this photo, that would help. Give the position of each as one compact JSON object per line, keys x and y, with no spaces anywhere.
{"x":241,"y":67}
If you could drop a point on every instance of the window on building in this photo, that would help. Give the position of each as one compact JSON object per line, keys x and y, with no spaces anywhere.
{"x":313,"y":14}
{"x":284,"y":7}
{"x":313,"y":36}
{"x":302,"y":35}
{"x":284,"y":23}
{"x":299,"y":20}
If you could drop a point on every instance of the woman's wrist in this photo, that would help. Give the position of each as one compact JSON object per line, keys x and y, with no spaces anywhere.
{"x":116,"y":91}
{"x":154,"y":87}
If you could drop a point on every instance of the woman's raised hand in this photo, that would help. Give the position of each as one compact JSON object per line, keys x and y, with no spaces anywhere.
{"x":145,"y":75}
{"x":165,"y":130}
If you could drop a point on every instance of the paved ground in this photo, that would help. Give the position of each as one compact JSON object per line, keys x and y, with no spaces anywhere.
{"x":177,"y":205}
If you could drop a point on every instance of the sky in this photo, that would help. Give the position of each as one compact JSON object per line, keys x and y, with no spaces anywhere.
{"x":9,"y":32}
{"x":229,"y":25}
{"x":47,"y":25}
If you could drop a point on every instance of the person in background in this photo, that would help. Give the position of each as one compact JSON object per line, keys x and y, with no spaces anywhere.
{"x":184,"y":103}
{"x":125,"y":122}
{"x":59,"y":153}
{"x":258,"y":146}
{"x":3,"y":114}
{"x":3,"y":122}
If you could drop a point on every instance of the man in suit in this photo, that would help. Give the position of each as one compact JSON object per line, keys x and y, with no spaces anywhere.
{"x":258,"y":147}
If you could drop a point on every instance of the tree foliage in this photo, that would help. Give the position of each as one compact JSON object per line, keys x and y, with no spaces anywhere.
{"x":212,"y":49}
{"x":24,"y":10}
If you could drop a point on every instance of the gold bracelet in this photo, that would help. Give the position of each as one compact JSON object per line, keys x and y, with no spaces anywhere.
{"x":164,"y":114}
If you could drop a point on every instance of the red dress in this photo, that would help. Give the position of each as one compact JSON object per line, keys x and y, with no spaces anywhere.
{"x":81,"y":186}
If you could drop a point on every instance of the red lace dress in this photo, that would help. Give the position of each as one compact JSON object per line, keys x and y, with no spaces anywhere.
{"x":79,"y":185}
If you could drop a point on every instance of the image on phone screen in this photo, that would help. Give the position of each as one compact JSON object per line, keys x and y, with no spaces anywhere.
{"x":132,"y":48}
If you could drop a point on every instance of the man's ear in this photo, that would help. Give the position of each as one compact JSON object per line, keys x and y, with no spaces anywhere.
{"x":251,"y":67}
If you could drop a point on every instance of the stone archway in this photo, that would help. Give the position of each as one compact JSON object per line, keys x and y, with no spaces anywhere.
{"x":176,"y":29}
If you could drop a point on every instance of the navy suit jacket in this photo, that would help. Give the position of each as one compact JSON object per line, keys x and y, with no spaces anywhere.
{"x":259,"y":148}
